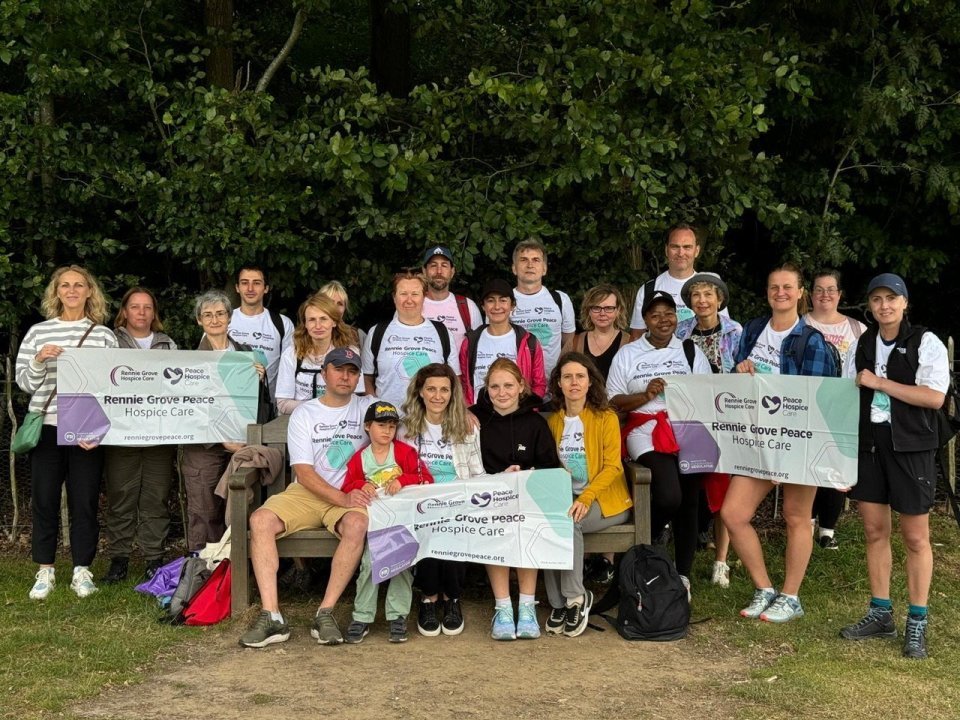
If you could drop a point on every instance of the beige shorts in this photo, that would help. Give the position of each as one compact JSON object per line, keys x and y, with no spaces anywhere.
{"x":300,"y":509}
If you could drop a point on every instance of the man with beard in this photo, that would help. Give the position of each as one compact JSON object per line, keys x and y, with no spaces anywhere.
{"x":459,"y":313}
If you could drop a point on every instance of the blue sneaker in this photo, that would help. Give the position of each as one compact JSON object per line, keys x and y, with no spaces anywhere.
{"x":527,"y":626}
{"x":762,"y":599}
{"x":782,"y":609}
{"x":503,"y":627}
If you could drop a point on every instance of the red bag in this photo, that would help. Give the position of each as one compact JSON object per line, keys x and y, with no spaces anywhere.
{"x":211,"y":604}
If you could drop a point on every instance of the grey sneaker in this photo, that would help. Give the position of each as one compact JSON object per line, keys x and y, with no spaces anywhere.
{"x":556,"y":621}
{"x":325,"y":629}
{"x":82,"y":583}
{"x":398,"y":630}
{"x":356,"y":632}
{"x":782,"y":609}
{"x":265,"y":631}
{"x":878,"y":622}
{"x":915,"y":638}
{"x":761,"y":601}
{"x":44,"y":583}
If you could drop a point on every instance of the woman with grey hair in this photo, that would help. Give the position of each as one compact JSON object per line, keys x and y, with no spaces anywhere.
{"x":203,"y":465}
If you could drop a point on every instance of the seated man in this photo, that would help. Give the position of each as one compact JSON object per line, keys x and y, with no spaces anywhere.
{"x":322,"y":436}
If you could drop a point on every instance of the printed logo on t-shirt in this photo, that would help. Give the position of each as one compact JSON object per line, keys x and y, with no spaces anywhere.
{"x":339,"y":452}
{"x":683,"y":313}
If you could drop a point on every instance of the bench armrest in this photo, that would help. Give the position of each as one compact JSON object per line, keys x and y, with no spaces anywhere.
{"x":638,"y":479}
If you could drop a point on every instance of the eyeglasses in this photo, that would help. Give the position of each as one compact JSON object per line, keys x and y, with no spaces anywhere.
{"x":603,"y":309}
{"x":825,"y":291}
{"x":218,"y":315}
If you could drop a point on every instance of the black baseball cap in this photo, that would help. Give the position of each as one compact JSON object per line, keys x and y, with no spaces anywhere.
{"x":889,"y":280}
{"x":432,"y":252}
{"x":381,"y":412}
{"x":496,"y":287}
{"x":657,"y":296}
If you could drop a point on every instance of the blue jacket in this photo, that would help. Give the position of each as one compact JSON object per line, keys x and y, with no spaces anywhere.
{"x":803,"y":352}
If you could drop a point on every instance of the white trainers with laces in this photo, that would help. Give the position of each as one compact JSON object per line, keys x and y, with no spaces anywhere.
{"x":82,"y":583}
{"x":721,"y":574}
{"x":43,"y":584}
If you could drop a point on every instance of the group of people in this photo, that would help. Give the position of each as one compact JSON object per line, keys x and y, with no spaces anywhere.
{"x":448,"y":393}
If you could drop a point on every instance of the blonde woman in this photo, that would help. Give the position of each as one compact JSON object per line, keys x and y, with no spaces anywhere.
{"x":603,"y":318}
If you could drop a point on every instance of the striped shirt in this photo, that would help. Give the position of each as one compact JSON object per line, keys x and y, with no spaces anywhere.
{"x":40,"y":379}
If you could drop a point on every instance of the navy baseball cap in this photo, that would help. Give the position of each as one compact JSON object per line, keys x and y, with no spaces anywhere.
{"x":655,"y":297}
{"x":381,"y":412}
{"x":342,"y":356}
{"x":889,"y":280}
{"x":437,"y":250}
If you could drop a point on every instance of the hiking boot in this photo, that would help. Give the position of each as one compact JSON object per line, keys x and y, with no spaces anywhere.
{"x":427,"y":623}
{"x":527,"y":626}
{"x":82,"y":583}
{"x":356,"y":632}
{"x":265,"y":631}
{"x":557,"y":621}
{"x":828,"y":542}
{"x":43,"y":584}
{"x":117,"y":571}
{"x":398,"y":630}
{"x":453,"y":618}
{"x":761,"y":601}
{"x":151,"y":569}
{"x":325,"y":629}
{"x":915,"y":638}
{"x":503,"y":625}
{"x":782,"y":609}
{"x":577,"y":615}
{"x":721,"y":574}
{"x":601,"y":572}
{"x":878,"y":622}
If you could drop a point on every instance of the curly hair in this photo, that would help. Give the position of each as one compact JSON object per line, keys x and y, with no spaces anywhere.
{"x":455,"y":425}
{"x":95,"y":309}
{"x":342,"y":335}
{"x":120,"y":321}
{"x":597,"y":392}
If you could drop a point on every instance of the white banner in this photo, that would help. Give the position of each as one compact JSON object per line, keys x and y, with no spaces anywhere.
{"x":790,"y":429}
{"x":513,"y":519}
{"x":155,"y":397}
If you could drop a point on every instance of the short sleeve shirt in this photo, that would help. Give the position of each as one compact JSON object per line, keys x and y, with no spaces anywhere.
{"x":327,"y":437}
{"x":539,"y":315}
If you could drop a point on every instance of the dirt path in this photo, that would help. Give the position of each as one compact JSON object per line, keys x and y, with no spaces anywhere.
{"x":597,"y":675}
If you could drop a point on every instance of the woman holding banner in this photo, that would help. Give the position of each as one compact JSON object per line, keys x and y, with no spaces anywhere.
{"x":435,"y":422}
{"x":320,"y":327}
{"x":587,"y":433}
{"x":75,"y":309}
{"x":203,"y":465}
{"x":903,"y":373}
{"x":138,"y":479}
{"x":513,"y":437}
{"x":780,"y":344}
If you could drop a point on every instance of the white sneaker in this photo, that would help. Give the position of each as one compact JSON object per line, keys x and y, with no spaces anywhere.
{"x":721,"y":574}
{"x":82,"y":583}
{"x":686,"y":583}
{"x":44,"y":584}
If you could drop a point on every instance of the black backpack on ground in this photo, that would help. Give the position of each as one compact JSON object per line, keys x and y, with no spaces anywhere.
{"x":653,"y":600}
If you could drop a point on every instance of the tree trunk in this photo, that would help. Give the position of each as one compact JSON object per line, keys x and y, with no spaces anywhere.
{"x":218,"y":19}
{"x":390,"y":49}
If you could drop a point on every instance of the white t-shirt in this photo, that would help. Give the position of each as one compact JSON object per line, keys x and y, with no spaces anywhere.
{"x":447,"y":312}
{"x":145,"y":342}
{"x":933,"y":371}
{"x":766,"y":352}
{"x":489,"y":348}
{"x":258,"y":331}
{"x":840,"y":335}
{"x":436,"y":454}
{"x":573,"y":453}
{"x":327,"y":437}
{"x":632,"y":369}
{"x":404,"y":350}
{"x":668,"y":284}
{"x":539,"y":315}
{"x":292,"y":385}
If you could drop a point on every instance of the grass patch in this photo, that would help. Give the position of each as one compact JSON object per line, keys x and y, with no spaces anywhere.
{"x":803,"y":668}
{"x":64,"y":649}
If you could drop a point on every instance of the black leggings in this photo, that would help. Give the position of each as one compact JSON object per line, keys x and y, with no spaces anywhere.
{"x":674,"y":498}
{"x":435,"y":576}
{"x":827,"y":506}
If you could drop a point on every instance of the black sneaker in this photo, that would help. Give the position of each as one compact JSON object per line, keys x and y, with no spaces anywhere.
{"x":915,"y":638}
{"x":117,"y":572}
{"x":151,"y":569}
{"x":453,"y":618}
{"x":557,"y":621}
{"x":356,"y":632}
{"x":398,"y":630}
{"x":828,"y":542}
{"x":427,"y":623}
{"x":878,"y":622}
{"x":577,"y":616}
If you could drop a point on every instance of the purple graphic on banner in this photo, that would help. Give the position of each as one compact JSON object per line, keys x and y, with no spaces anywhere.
{"x":80,"y":419}
{"x":699,"y":452}
{"x":392,"y":550}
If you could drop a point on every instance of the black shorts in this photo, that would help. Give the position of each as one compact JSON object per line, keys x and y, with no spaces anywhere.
{"x":906,"y":481}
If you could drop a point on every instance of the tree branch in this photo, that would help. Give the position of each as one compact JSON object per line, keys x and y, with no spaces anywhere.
{"x":298,"y":23}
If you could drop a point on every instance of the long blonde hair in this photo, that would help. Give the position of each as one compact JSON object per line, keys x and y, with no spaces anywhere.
{"x":95,"y":309}
{"x":342,"y":335}
{"x":455,"y":425}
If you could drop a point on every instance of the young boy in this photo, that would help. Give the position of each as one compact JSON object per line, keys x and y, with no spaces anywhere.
{"x":389,"y":464}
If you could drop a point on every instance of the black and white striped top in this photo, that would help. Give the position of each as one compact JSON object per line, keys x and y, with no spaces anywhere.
{"x":40,"y":379}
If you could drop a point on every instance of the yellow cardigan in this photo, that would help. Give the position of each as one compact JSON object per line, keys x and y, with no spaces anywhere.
{"x":601,"y":441}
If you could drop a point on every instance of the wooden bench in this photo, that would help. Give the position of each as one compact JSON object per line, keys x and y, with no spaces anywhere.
{"x":321,"y":543}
